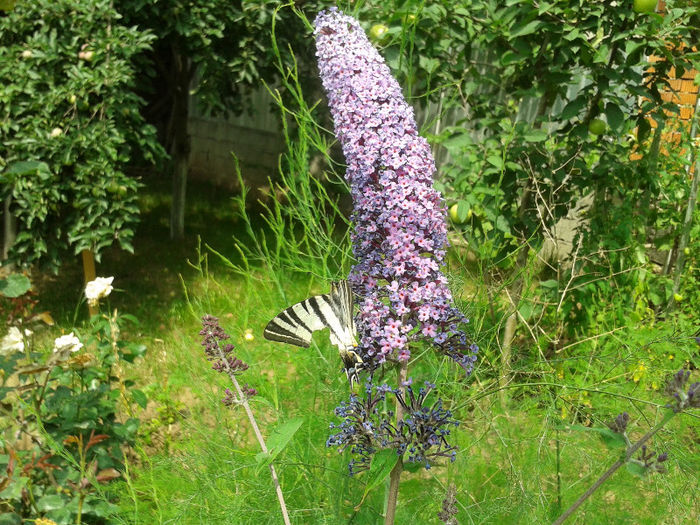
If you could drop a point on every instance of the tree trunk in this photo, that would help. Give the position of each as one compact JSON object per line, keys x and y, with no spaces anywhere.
{"x":89,"y":274}
{"x":9,"y":228}
{"x":692,"y":172}
{"x":180,"y":141}
{"x":518,"y":284}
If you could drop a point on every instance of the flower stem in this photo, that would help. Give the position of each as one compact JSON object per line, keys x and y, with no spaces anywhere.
{"x":244,"y":401}
{"x":395,"y":475}
{"x":602,"y":479}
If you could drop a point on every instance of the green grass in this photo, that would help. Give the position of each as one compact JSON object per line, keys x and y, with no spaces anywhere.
{"x":195,"y":462}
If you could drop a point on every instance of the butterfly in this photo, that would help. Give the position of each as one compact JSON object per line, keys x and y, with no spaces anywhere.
{"x":333,"y":310}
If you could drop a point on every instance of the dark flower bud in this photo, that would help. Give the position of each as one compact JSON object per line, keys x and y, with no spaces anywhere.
{"x":449,"y":507}
{"x":619,"y":424}
{"x":680,"y":397}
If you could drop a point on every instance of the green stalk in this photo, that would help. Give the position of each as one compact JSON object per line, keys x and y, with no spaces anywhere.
{"x":606,"y":475}
{"x":395,"y":475}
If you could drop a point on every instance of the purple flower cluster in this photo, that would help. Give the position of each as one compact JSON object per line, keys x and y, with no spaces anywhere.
{"x":213,"y":335}
{"x":424,"y":429}
{"x":364,"y":429}
{"x":619,"y":424}
{"x":222,"y":357}
{"x":400,"y":231}
{"x":681,"y":398}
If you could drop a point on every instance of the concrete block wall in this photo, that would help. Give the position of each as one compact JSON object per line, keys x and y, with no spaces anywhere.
{"x":254,"y":139}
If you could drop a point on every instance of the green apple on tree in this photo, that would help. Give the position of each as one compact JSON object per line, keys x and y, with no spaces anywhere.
{"x":644,"y":6}
{"x":460,"y":212}
{"x":378,"y":32}
{"x":597,"y":126}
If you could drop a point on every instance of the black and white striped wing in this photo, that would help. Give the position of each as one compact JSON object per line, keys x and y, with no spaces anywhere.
{"x":343,"y":326}
{"x":296,"y":324}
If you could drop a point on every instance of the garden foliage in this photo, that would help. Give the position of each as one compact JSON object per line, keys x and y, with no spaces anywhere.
{"x":71,"y":411}
{"x":536,"y":111}
{"x":70,"y":123}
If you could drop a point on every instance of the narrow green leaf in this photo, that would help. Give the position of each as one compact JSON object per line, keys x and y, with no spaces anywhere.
{"x":526,"y":29}
{"x":278,"y":439}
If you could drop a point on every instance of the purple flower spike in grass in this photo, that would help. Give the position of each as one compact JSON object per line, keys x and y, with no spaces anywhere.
{"x":400,"y":233}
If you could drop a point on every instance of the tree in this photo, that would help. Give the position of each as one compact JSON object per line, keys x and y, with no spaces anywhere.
{"x":69,"y":124}
{"x":216,"y":51}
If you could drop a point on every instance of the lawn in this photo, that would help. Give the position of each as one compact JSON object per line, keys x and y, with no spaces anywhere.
{"x":525,"y":451}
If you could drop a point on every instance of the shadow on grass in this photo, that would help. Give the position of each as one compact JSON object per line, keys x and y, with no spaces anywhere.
{"x":147,"y":282}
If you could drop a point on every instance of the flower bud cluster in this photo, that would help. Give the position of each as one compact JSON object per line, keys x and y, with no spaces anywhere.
{"x":649,"y":460}
{"x":422,"y":432}
{"x":221,"y":356}
{"x":682,"y":396}
{"x":230,"y":398}
{"x":619,"y":424}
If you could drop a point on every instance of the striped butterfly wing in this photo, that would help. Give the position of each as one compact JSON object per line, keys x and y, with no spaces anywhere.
{"x":334,"y":310}
{"x":296,"y":324}
{"x":343,"y":325}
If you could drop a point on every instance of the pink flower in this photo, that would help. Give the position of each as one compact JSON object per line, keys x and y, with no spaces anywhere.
{"x":400,"y":231}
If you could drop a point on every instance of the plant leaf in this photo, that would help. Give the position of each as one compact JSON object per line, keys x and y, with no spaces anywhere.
{"x":380,"y":467}
{"x":139,"y":398}
{"x":15,"y":285}
{"x":278,"y":439}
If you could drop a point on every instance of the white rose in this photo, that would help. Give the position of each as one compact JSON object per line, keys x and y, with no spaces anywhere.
{"x":67,"y":343}
{"x":97,"y":289}
{"x":13,"y":341}
{"x":56,"y":132}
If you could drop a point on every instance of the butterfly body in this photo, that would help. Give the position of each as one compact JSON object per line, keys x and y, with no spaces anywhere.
{"x":296,"y":324}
